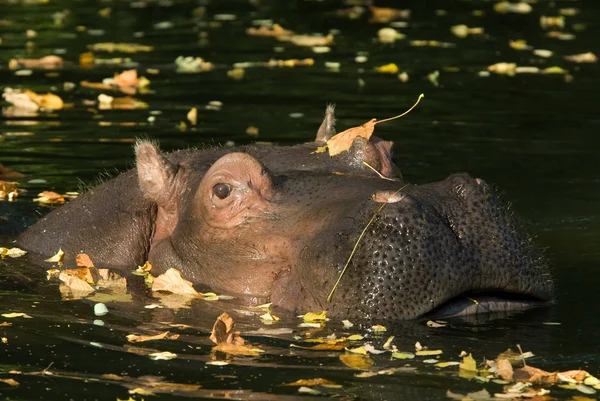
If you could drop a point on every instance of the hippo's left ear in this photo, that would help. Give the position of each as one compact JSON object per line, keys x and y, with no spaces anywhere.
{"x":156,"y":174}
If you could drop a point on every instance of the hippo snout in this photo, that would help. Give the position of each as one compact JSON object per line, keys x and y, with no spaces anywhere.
{"x":434,"y":244}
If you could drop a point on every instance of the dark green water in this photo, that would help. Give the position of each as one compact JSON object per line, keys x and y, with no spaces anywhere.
{"x":533,"y":136}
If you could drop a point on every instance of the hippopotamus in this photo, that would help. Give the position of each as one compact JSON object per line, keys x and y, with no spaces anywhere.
{"x":282,"y":223}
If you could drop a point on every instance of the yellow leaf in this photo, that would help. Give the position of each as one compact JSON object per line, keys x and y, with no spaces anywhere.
{"x":360,"y":362}
{"x":357,"y":350}
{"x":390,"y":68}
{"x":403,"y":355}
{"x":57,"y":258}
{"x":10,"y":382}
{"x":16,"y":314}
{"x":355,"y":337}
{"x":429,"y":352}
{"x":378,"y":328}
{"x":468,"y":364}
{"x":446,"y":364}
{"x":312,"y":317}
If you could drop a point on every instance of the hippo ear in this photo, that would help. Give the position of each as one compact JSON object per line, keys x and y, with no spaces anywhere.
{"x":327,"y":128}
{"x":156,"y":174}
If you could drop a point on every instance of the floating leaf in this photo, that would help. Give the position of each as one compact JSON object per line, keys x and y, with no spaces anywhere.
{"x":16,"y":314}
{"x":403,"y":355}
{"x":588,"y":57}
{"x":429,"y":352}
{"x":119,"y":47}
{"x":360,"y":362}
{"x":172,"y":281}
{"x":12,"y":252}
{"x":83,"y":260}
{"x":468,"y":364}
{"x":57,"y":258}
{"x":388,"y":69}
{"x":227,"y":340}
{"x":312,"y":317}
{"x":164,"y":356}
{"x":50,"y":198}
{"x":505,"y":369}
{"x":133,"y":338}
{"x":274,"y":31}
{"x":10,"y":382}
{"x":51,"y":61}
{"x":313,"y":382}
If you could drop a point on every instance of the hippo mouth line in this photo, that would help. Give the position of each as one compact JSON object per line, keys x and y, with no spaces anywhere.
{"x":486,"y":302}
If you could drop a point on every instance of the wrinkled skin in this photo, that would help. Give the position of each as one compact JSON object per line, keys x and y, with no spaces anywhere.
{"x":279,"y":223}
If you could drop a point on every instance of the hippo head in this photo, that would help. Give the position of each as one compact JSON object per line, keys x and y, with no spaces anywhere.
{"x":282,"y":222}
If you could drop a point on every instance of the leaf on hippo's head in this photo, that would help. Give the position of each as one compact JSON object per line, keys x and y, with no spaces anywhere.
{"x":343,"y":141}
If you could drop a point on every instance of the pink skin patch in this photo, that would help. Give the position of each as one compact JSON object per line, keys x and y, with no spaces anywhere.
{"x":387,"y":196}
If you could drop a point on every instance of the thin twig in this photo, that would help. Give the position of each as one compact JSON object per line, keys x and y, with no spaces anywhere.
{"x":379,"y":174}
{"x":356,"y":245}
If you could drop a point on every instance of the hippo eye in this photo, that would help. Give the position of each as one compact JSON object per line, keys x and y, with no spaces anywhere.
{"x":221,"y":191}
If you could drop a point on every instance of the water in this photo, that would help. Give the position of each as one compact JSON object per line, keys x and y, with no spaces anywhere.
{"x":533,"y":136}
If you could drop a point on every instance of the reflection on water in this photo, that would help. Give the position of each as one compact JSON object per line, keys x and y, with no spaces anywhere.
{"x":532,"y":135}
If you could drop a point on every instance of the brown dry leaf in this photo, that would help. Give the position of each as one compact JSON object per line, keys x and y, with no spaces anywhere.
{"x":588,"y":57}
{"x":312,"y":382}
{"x":78,"y":287}
{"x":127,"y":78}
{"x":44,"y":62}
{"x":172,"y":281}
{"x":229,"y":341}
{"x":10,"y":382}
{"x":133,"y":338}
{"x":505,"y":370}
{"x":8,"y":190}
{"x":343,"y":141}
{"x":530,"y":374}
{"x":309,"y":41}
{"x":83,"y":273}
{"x":50,"y":198}
{"x":96,"y":85}
{"x":83,"y":260}
{"x":275,"y":31}
{"x":383,"y":15}
{"x":5,"y":324}
{"x":354,"y":361}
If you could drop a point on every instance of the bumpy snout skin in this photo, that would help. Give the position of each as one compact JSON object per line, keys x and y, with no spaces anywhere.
{"x":437,"y":242}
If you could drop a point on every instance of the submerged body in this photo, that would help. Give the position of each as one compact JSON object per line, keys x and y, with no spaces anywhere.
{"x":281,"y":222}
